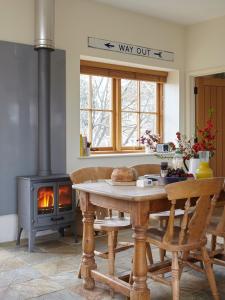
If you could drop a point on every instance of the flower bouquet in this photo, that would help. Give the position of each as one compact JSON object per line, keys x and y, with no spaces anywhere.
{"x":149,"y":140}
{"x":205,"y":141}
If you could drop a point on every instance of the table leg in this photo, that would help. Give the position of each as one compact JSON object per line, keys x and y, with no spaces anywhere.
{"x":140,"y":289}
{"x":88,"y":260}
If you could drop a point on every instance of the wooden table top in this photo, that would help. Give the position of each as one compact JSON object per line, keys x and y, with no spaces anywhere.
{"x":128,"y":193}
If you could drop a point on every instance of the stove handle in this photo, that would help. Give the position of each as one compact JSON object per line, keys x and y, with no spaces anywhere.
{"x":57,"y":219}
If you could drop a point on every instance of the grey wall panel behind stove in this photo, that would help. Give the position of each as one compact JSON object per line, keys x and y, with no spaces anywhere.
{"x":18,"y":117}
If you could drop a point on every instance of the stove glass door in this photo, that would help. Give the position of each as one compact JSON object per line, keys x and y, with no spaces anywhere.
{"x":65,"y":197}
{"x":45,"y":200}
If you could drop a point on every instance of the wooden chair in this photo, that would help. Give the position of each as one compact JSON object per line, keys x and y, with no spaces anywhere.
{"x":161,"y":217}
{"x":191,"y":236}
{"x":216,"y":229}
{"x":147,"y":169}
{"x":105,"y":221}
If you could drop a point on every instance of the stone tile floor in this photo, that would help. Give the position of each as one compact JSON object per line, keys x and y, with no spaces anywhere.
{"x":50,"y":273}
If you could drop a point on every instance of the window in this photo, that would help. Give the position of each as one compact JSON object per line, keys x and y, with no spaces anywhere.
{"x":96,"y":110}
{"x":118,"y":104}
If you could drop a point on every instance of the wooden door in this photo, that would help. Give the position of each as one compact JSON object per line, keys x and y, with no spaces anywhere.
{"x":210,"y":93}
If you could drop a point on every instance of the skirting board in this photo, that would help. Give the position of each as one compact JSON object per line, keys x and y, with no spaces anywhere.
{"x":8,"y":225}
{"x":8,"y":232}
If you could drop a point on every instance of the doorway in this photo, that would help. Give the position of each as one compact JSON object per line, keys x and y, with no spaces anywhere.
{"x":210,"y":93}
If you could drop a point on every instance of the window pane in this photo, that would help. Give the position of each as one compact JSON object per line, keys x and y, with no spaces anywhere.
{"x":147,"y":122}
{"x":84,"y":82}
{"x":148,"y":96}
{"x":101,"y":129}
{"x":101,"y":92}
{"x":129,"y":129}
{"x":84,"y":123}
{"x":129,"y":95}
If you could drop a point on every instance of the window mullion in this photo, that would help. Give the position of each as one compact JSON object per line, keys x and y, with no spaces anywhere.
{"x":114,"y":114}
{"x":139,"y":110}
{"x":118,"y":116}
{"x":90,"y":96}
{"x":160,"y":110}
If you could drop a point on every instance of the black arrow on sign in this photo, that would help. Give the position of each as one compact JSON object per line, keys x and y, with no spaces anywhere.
{"x":159,"y":54}
{"x":109,"y":45}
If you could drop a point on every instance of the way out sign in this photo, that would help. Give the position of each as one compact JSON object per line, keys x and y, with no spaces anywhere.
{"x":129,"y":49}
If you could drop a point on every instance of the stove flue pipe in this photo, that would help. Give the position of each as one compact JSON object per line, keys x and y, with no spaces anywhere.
{"x":44,"y":44}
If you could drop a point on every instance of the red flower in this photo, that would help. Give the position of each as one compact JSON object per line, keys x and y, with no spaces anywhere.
{"x":178,"y":134}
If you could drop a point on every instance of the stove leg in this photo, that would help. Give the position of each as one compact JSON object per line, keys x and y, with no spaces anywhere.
{"x":31,"y":240}
{"x":61,"y":231}
{"x":20,"y":229}
{"x":73,"y":227}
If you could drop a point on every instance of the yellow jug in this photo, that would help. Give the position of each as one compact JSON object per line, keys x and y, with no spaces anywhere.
{"x":204,"y":171}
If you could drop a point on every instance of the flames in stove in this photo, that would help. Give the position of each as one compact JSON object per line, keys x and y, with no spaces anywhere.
{"x":65,"y":196}
{"x":46,"y":199}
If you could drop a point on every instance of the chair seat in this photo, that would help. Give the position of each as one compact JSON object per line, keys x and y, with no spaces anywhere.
{"x":155,"y":236}
{"x":112,"y":223}
{"x":166,"y":214}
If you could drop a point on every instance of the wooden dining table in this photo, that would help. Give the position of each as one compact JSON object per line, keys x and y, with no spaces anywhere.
{"x":139,"y":203}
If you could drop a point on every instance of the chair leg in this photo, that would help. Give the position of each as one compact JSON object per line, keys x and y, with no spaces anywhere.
{"x":115,"y":236}
{"x":149,"y":253}
{"x":111,"y":255}
{"x":131,"y":281}
{"x":175,"y":276}
{"x":213,"y":242}
{"x":184,"y":258}
{"x":209,"y":273}
{"x":162,"y":254}
{"x":111,"y":250}
{"x":79,"y":272}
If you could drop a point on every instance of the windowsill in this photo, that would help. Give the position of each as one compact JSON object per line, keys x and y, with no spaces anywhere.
{"x":158,"y":155}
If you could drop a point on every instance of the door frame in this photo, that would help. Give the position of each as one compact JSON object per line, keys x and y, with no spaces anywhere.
{"x":190,"y":105}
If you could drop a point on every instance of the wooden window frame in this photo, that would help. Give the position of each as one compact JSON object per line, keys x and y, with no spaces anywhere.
{"x":116,"y":73}
{"x":90,"y":109}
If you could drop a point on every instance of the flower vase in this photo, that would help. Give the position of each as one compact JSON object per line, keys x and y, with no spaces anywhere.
{"x":193,"y":165}
{"x":204,"y":171}
{"x":177,"y":161}
{"x":148,"y":149}
{"x":88,"y":151}
{"x":204,"y":155}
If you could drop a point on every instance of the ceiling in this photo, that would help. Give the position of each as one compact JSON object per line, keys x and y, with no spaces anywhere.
{"x":184,"y":12}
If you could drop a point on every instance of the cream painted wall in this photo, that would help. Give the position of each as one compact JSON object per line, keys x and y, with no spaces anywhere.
{"x":75,"y":21}
{"x":205,"y":44}
{"x":171,"y":106}
{"x":17,"y":21}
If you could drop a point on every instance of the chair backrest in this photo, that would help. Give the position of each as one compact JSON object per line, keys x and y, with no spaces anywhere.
{"x":93,"y":174}
{"x":193,"y":229}
{"x":147,"y":169}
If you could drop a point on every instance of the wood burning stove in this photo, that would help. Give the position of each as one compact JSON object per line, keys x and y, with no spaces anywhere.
{"x":44,"y":203}
{"x":46,"y":200}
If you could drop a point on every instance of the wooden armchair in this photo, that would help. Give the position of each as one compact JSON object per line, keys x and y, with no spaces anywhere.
{"x":104,"y":221}
{"x":191,"y":236}
{"x":161,"y":217}
{"x":216,"y":228}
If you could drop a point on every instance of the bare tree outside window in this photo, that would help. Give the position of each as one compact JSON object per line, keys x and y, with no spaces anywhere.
{"x":96,"y":109}
{"x":117,"y":124}
{"x":138,"y":100}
